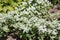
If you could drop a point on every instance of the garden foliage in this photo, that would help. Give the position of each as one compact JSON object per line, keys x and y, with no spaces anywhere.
{"x":31,"y":21}
{"x":55,"y":1}
{"x":8,"y":5}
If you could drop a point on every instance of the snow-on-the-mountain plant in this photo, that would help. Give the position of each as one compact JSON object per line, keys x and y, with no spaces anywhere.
{"x":30,"y":21}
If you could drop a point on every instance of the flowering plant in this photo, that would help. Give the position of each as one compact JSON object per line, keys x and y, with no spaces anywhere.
{"x":30,"y":21}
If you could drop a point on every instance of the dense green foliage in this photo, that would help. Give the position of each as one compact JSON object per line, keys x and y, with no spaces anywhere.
{"x":6,"y":5}
{"x":31,"y":21}
{"x":55,"y":1}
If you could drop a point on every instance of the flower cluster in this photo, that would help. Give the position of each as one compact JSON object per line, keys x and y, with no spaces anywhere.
{"x":31,"y":20}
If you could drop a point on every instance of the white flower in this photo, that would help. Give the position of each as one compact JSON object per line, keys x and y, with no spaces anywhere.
{"x":54,"y":32}
{"x":25,"y":29}
{"x":52,"y":37}
{"x":32,"y":8}
{"x":25,"y":12}
{"x":40,"y":28}
{"x":40,"y":1}
{"x":37,"y":24}
{"x":44,"y":30}
{"x":49,"y":31}
{"x":5,"y":28}
{"x":30,"y":1}
{"x":16,"y":25}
